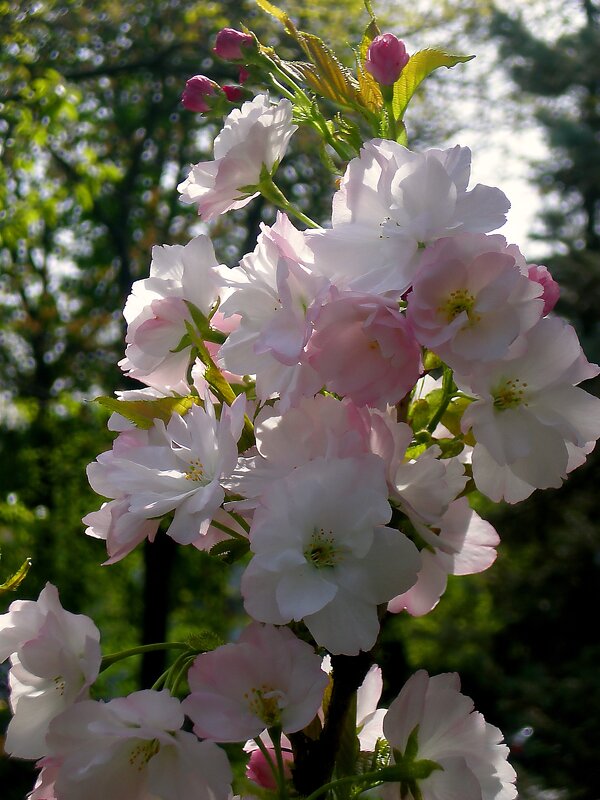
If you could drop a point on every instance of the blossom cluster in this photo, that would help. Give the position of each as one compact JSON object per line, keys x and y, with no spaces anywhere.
{"x":325,"y":405}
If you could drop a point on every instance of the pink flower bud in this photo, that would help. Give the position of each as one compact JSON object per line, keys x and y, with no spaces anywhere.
{"x":230,"y":44}
{"x":243,"y":76}
{"x":233,"y":93}
{"x":259,"y":770}
{"x":551,"y":292}
{"x":196,"y":89}
{"x":386,"y":58}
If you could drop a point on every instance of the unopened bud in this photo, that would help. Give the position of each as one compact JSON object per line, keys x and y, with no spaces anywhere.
{"x":197,"y":89}
{"x":551,"y":292}
{"x":230,"y":44}
{"x":243,"y":76}
{"x":233,"y":93}
{"x":386,"y":58}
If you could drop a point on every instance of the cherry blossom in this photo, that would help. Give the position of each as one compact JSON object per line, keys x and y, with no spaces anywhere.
{"x":277,"y":300}
{"x":268,"y":678}
{"x":470,"y":299}
{"x":392,"y":203}
{"x":551,"y":289}
{"x":253,"y":137}
{"x":450,"y":733}
{"x":364,"y":348}
{"x":464,"y":545}
{"x":132,"y":748}
{"x":54,"y":656}
{"x":180,"y":467}
{"x":530,"y":419}
{"x":157,"y":311}
{"x":323,"y":555}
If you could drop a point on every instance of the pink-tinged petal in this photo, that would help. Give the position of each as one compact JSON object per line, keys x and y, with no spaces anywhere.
{"x":421,"y":598}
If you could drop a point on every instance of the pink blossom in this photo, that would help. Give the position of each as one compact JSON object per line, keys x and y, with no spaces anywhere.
{"x":55,"y":657}
{"x":196,"y":90}
{"x":44,"y":785}
{"x":253,"y":137}
{"x":132,"y":748}
{"x":386,"y":58}
{"x":157,"y":311}
{"x":277,"y":300}
{"x":531,"y":421}
{"x":364,"y":348}
{"x":260,"y":771}
{"x":233,"y":93}
{"x":317,"y":426}
{"x":180,"y":467}
{"x":391,"y":204}
{"x":449,"y":732}
{"x":551,"y":289}
{"x":121,"y":530}
{"x":464,"y":545}
{"x":269,"y":677}
{"x":471,"y":299}
{"x":323,"y":555}
{"x":230,"y":44}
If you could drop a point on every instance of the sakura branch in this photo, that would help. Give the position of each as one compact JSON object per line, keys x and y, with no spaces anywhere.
{"x":319,"y":412}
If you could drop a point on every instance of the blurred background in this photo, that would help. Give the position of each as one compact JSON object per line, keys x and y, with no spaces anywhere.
{"x":93,"y":141}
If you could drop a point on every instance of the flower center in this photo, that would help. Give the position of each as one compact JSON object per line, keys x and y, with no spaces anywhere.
{"x":59,"y":684}
{"x":143,"y":752}
{"x":459,"y":301}
{"x":509,"y":394}
{"x":196,"y":471}
{"x":266,"y":703}
{"x":321,"y":551}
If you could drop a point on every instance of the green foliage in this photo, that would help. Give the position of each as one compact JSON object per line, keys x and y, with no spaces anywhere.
{"x":419,"y":66}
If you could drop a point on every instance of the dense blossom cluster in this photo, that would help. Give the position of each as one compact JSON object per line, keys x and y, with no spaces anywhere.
{"x":340,"y":389}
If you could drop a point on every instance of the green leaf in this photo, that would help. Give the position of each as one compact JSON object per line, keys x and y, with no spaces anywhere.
{"x":279,"y":15}
{"x":420,"y":65}
{"x":369,"y":90}
{"x":230,"y":550}
{"x":325,"y":74}
{"x":143,"y":412}
{"x":17,"y":579}
{"x":204,"y":640}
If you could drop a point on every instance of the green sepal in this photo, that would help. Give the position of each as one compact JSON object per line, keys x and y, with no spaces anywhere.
{"x":416,"y":450}
{"x":419,"y":66}
{"x":450,"y":447}
{"x":184,"y":342}
{"x":204,"y":640}
{"x":453,"y":414}
{"x":143,"y":412}
{"x":13,"y":583}
{"x":419,"y":414}
{"x":202,"y":322}
{"x":431,"y":361}
{"x":230,"y":550}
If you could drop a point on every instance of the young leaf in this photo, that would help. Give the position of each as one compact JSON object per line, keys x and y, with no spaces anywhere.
{"x":143,"y":412}
{"x":15,"y":580}
{"x":329,"y":78}
{"x":279,"y":15}
{"x":420,"y":65}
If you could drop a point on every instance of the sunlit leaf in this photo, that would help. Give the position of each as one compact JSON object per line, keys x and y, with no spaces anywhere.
{"x":143,"y":412}
{"x":420,"y":65}
{"x":17,"y":579}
